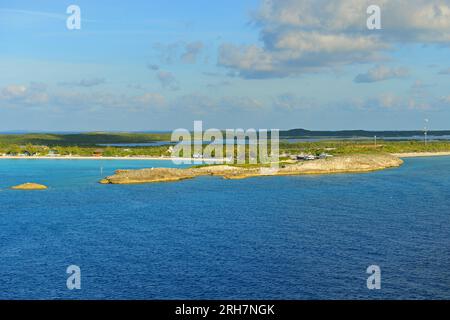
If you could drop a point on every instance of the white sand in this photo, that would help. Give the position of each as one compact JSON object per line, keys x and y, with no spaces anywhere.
{"x":420,"y":154}
{"x":110,"y":158}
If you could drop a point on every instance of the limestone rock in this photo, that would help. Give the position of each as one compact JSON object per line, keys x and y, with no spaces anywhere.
{"x":30,"y":186}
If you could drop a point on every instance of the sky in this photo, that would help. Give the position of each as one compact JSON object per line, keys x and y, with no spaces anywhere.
{"x":275,"y":64}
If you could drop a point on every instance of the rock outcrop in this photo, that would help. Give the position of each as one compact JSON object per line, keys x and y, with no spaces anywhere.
{"x":340,"y":164}
{"x":30,"y":186}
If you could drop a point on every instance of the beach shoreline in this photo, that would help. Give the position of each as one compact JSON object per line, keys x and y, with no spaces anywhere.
{"x":399,"y":155}
{"x":420,"y":154}
{"x":109,"y":158}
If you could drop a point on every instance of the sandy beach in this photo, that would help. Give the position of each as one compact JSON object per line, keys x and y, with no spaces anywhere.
{"x":420,"y":154}
{"x":400,"y":155}
{"x":108,"y":158}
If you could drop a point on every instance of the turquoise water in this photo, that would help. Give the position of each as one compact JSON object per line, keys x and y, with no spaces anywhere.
{"x":303,"y":237}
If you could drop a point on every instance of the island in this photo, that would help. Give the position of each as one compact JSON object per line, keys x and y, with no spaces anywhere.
{"x":30,"y":186}
{"x":339,"y":164}
{"x":158,"y":146}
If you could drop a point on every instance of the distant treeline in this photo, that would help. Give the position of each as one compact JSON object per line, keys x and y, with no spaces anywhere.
{"x":302,"y":133}
{"x":96,"y":138}
{"x":81,"y":139}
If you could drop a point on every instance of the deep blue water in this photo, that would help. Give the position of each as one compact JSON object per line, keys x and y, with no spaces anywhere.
{"x":304,"y":237}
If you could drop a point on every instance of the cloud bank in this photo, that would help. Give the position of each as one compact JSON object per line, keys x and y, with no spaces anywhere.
{"x":302,"y":36}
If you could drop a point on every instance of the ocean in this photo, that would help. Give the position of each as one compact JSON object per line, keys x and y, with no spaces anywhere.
{"x":297,"y":237}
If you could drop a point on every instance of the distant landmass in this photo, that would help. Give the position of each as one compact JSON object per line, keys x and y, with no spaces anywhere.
{"x":108,"y":138}
{"x":303,"y":133}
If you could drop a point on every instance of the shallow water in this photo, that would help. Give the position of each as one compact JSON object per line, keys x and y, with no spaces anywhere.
{"x":300,"y":237}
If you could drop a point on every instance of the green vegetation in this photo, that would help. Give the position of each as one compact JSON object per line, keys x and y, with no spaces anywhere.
{"x":81,"y":139}
{"x":83,"y":144}
{"x":302,"y":133}
{"x":84,"y":151}
{"x":343,"y":147}
{"x":88,"y":145}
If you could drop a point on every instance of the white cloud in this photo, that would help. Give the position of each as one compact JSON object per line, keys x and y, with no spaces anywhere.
{"x":247,"y":59}
{"x":381,"y":73}
{"x":86,"y":83}
{"x":241,"y":103}
{"x":35,"y":94}
{"x":29,"y":95}
{"x":420,"y":88}
{"x":446,"y":100}
{"x":301,"y":36}
{"x":105,"y":100}
{"x":445,"y":71}
{"x":167,"y":80}
{"x":14,"y":91}
{"x":191,"y":52}
{"x":391,"y":101}
{"x":168,"y":53}
{"x":150,"y":99}
{"x":202,"y":104}
{"x":153,"y":67}
{"x":289,"y":102}
{"x":186,"y":52}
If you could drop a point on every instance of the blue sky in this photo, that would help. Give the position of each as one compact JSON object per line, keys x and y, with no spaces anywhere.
{"x":160,"y":65}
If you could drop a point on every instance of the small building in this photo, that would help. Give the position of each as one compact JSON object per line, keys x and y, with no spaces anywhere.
{"x":98,"y":153}
{"x":300,"y":156}
{"x":325,"y":155}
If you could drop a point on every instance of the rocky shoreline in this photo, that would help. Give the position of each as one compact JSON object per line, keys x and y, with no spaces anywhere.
{"x":340,"y":164}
